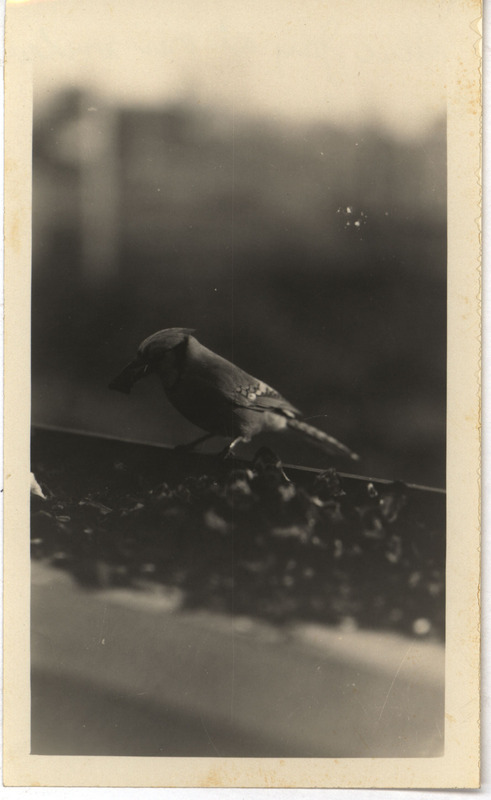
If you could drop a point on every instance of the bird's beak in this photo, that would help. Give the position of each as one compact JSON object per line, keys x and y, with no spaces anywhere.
{"x":132,"y":373}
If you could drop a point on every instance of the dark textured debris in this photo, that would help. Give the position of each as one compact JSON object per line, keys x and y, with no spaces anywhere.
{"x":254,"y":542}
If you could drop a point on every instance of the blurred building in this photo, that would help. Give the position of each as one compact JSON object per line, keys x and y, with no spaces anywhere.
{"x":111,"y":179}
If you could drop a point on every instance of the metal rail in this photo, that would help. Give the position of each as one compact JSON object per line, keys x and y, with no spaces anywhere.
{"x":289,"y":467}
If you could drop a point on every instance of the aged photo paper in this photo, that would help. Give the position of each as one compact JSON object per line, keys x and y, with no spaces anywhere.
{"x":300,"y":182}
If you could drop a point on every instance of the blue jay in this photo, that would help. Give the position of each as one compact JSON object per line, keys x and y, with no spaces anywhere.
{"x":216,"y":395}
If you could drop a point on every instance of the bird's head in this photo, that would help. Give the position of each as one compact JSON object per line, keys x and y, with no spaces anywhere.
{"x":161,"y":353}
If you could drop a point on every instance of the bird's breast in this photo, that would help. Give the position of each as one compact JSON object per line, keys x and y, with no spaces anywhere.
{"x":203,"y":404}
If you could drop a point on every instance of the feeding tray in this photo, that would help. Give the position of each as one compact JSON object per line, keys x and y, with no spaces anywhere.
{"x":254,"y":538}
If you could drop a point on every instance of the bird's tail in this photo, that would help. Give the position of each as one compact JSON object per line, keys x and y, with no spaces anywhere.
{"x":321,"y":439}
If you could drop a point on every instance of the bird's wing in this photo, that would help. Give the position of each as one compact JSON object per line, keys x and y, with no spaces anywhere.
{"x":258,"y":396}
{"x":238,"y":387}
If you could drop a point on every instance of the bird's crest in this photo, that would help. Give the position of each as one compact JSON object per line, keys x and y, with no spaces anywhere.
{"x":165,"y":340}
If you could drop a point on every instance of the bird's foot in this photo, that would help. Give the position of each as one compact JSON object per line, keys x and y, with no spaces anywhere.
{"x":228,"y":451}
{"x":226,"y":454}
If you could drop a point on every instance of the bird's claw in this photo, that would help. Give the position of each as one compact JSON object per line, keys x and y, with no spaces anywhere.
{"x":226,"y":454}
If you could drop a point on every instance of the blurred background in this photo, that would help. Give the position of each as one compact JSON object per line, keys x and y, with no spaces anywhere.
{"x":272,"y":175}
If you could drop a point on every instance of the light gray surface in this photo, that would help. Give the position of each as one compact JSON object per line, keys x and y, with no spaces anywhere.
{"x":118,"y":672}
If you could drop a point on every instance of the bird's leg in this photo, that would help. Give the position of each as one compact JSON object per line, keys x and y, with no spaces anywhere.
{"x":184,"y":448}
{"x":228,"y":452}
